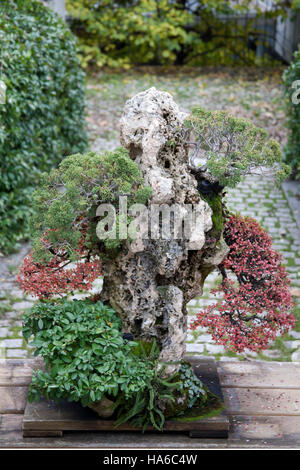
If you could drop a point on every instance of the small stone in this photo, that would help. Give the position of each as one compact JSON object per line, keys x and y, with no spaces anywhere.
{"x":103,"y":408}
{"x":296,"y":356}
{"x":195,"y":348}
{"x":292,"y":344}
{"x":16,"y":353}
{"x":215,"y":348}
{"x":251,"y":354}
{"x":205,"y":338}
{"x":228,"y":359}
{"x":272,"y":354}
{"x":12,"y":315}
{"x":3,"y":332}
{"x":190,"y":337}
{"x":295,"y":334}
{"x":11,"y":343}
{"x":22,"y":305}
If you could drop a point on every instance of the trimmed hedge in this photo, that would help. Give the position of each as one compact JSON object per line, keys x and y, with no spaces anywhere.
{"x":43,"y":117}
{"x":292,"y":92}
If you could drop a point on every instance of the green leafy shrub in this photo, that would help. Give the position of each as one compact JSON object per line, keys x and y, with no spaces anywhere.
{"x":87,"y":359}
{"x":128,"y":32}
{"x":292,"y":149}
{"x":232,"y":147}
{"x":163,"y":397}
{"x":84,"y":352}
{"x":42,"y":119}
{"x":146,"y":408}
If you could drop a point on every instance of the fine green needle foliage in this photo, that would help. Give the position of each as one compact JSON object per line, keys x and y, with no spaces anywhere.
{"x":291,"y":78}
{"x":233,"y":147}
{"x":65,"y":205}
{"x":85,"y":355}
{"x":42,"y":118}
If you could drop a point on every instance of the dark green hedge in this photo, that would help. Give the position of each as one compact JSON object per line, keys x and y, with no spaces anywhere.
{"x":292,"y":92}
{"x":43,"y":117}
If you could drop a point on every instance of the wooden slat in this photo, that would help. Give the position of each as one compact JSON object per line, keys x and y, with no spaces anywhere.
{"x":13,"y":399}
{"x":11,"y":422}
{"x":260,"y":374}
{"x":68,"y":416}
{"x":262,"y":399}
{"x":17,"y":371}
{"x":65,"y":416}
{"x":255,"y":401}
{"x":265,"y":427}
{"x":9,"y":439}
{"x":42,"y":434}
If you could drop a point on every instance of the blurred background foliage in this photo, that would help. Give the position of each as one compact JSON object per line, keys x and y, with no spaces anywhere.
{"x":181,"y":32}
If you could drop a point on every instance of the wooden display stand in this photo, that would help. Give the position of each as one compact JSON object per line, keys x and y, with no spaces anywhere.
{"x":47,"y":418}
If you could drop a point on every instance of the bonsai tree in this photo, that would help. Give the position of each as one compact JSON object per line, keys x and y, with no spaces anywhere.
{"x":154,"y":258}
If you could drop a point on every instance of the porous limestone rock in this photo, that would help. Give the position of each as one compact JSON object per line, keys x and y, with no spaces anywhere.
{"x":151,"y":281}
{"x":104,"y":408}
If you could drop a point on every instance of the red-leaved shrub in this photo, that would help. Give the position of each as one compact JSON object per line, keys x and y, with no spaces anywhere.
{"x":257,"y":305}
{"x":54,"y":278}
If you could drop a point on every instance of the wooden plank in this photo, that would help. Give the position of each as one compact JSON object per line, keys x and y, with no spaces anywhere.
{"x":260,"y":374}
{"x":17,"y":371}
{"x":11,"y":422}
{"x":265,"y":427}
{"x":50,"y":416}
{"x":42,"y":433}
{"x":256,"y":401}
{"x":241,"y":427}
{"x":13,"y":399}
{"x":259,"y":413}
{"x":8,"y":439}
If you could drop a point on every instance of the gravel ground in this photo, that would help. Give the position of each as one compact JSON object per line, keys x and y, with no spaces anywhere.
{"x":243,"y":93}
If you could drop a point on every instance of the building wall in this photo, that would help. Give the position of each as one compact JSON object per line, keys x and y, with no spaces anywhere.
{"x":287,"y":36}
{"x":58,"y":6}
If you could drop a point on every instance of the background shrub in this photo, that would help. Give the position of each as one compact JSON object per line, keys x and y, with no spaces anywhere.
{"x":292,"y":149}
{"x":43,"y":117}
{"x":168,"y":32}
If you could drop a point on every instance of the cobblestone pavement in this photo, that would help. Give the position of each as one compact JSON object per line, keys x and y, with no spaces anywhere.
{"x":268,"y":205}
{"x":256,"y":197}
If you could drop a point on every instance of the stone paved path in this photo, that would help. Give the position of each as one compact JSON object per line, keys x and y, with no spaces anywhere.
{"x":256,"y":197}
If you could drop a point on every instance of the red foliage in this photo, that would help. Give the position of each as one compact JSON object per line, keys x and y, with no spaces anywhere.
{"x":257,"y":306}
{"x":55,"y":278}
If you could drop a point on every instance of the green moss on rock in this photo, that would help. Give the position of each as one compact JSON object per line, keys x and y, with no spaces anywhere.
{"x":215,"y":203}
{"x":212,"y":407}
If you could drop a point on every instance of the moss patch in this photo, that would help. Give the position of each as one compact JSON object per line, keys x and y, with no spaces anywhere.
{"x":215,"y":203}
{"x":211,"y":407}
